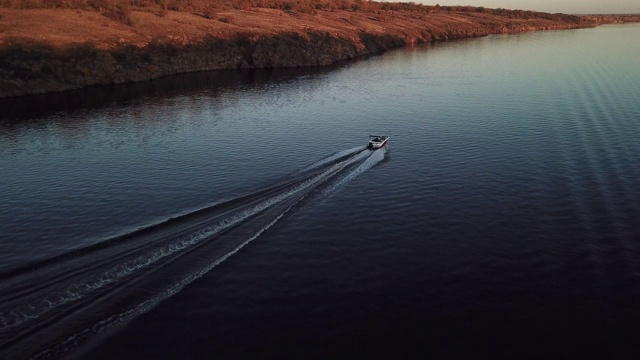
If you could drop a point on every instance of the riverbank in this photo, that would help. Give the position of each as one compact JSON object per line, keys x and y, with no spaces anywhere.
{"x":49,"y":50}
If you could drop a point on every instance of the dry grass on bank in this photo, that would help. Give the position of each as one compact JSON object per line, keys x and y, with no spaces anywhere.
{"x":109,"y":23}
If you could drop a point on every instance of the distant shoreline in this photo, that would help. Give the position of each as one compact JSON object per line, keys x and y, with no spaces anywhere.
{"x":51,"y":50}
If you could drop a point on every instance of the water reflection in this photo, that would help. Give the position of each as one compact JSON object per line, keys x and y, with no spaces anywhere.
{"x":212,"y":83}
{"x":137,"y":113}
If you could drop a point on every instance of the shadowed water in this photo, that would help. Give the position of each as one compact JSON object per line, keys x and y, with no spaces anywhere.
{"x":503,"y":219}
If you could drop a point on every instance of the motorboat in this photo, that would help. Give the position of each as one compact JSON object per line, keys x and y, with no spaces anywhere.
{"x":377,"y":141}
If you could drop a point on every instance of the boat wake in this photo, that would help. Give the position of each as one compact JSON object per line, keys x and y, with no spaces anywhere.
{"x":47,"y":309}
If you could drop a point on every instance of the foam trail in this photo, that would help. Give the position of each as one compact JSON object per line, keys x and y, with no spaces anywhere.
{"x":331,"y":158}
{"x":61,"y":303}
{"x":123,"y":270}
{"x":370,"y":162}
{"x":373,"y":159}
{"x":146,"y":306}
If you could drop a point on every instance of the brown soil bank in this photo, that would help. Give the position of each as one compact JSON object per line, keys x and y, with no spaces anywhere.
{"x":45,"y":50}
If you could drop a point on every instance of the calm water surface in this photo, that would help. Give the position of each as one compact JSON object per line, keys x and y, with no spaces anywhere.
{"x":237,"y":215}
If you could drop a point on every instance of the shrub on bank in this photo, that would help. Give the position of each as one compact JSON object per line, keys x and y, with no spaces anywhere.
{"x":119,"y":13}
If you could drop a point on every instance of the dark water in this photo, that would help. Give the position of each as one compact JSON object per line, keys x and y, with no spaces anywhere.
{"x":238,"y":215}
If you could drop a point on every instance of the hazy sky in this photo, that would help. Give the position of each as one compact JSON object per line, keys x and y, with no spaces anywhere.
{"x":553,"y":6}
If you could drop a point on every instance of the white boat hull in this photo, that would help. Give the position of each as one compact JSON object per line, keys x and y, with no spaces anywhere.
{"x":377,"y":143}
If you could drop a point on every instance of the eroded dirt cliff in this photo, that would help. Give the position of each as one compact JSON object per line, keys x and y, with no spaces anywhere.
{"x":46,"y":50}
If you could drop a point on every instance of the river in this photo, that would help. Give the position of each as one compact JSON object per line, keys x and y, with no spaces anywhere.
{"x":237,"y":214}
